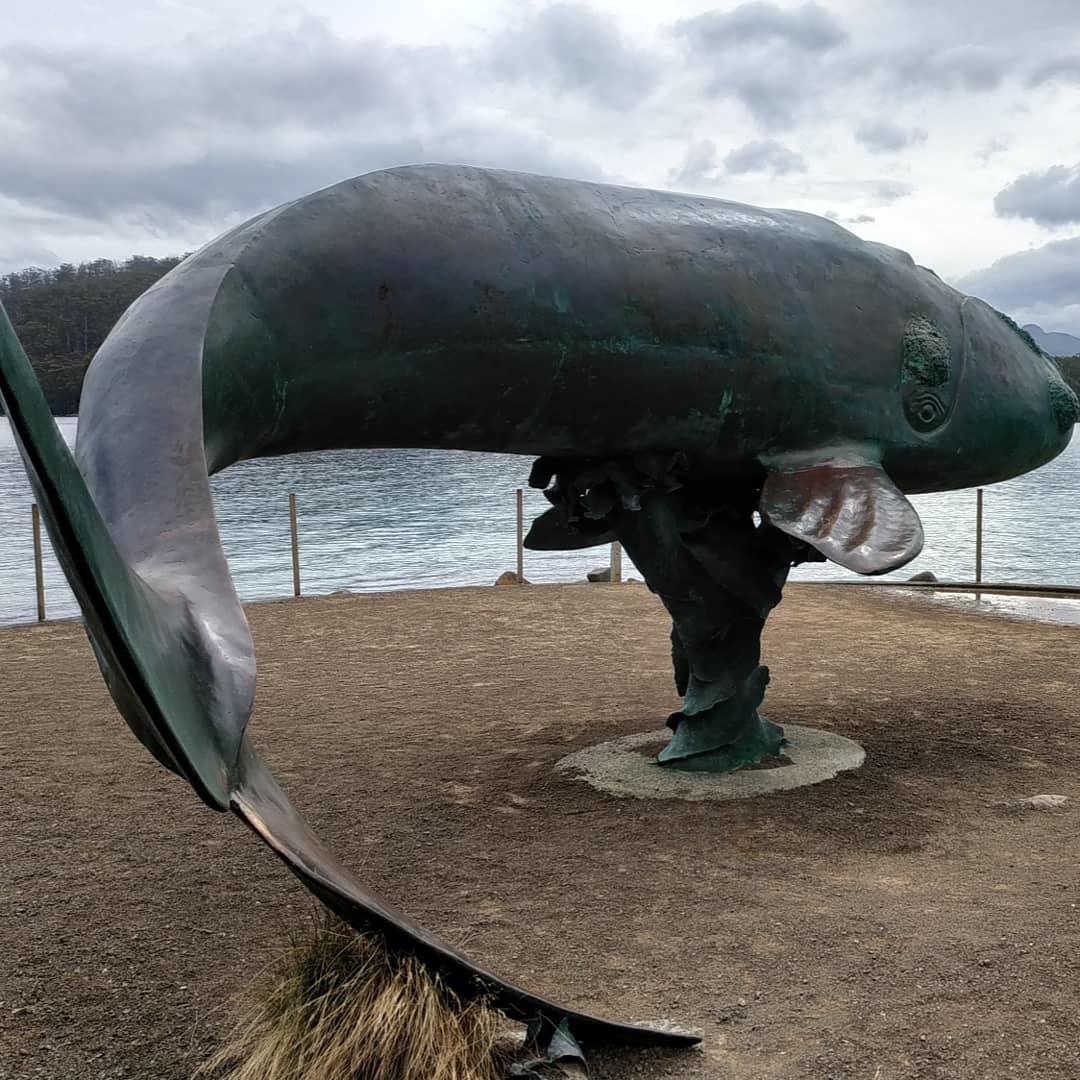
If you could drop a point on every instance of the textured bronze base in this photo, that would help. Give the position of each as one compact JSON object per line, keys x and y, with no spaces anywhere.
{"x":759,"y":739}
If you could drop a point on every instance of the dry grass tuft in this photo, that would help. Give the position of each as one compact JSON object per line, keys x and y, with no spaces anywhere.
{"x":342,"y":1006}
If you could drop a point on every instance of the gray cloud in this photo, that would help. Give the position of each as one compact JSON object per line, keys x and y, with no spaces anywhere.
{"x":703,"y":167}
{"x":992,"y":21}
{"x":771,"y":101}
{"x":764,"y":155}
{"x":211,"y":184}
{"x":1065,"y":69}
{"x":1049,"y":198}
{"x":1041,"y":285}
{"x":700,"y":166}
{"x":809,"y":27}
{"x":213,"y":131}
{"x":785,"y":65}
{"x":208,"y":130}
{"x":303,"y":77}
{"x":576,"y":50}
{"x":925,"y":68}
{"x":959,"y":67}
{"x":883,"y":136}
{"x":770,"y":59}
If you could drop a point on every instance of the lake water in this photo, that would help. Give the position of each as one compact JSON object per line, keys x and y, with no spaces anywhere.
{"x":374,"y":520}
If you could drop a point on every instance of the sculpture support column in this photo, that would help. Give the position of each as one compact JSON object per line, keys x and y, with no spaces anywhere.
{"x":717,"y":572}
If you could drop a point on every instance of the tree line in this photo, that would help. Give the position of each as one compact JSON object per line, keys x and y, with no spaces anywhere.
{"x":63,"y":315}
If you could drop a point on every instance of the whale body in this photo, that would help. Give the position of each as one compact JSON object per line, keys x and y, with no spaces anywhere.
{"x":474,"y":309}
{"x":464,"y":308}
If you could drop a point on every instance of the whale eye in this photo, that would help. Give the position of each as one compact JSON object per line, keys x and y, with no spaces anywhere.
{"x":924,"y":408}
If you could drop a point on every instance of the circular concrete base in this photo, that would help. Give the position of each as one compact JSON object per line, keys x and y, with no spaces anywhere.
{"x":620,"y":768}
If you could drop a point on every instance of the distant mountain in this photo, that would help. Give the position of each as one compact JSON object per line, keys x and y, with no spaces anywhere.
{"x":1053,"y":343}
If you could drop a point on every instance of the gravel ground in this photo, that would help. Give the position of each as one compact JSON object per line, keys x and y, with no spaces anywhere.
{"x":906,"y":920}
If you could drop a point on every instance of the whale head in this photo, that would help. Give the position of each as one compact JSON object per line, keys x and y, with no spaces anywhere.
{"x":978,"y":402}
{"x":965,"y":398}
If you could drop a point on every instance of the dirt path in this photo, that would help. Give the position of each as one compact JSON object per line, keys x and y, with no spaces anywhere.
{"x":905,"y":921}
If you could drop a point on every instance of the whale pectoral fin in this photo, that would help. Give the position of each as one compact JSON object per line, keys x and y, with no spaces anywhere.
{"x":850,"y":511}
{"x":551,"y":531}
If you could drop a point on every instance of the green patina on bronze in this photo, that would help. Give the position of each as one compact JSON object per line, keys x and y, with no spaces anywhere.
{"x":1031,"y":343}
{"x":729,"y":391}
{"x":1064,"y":402}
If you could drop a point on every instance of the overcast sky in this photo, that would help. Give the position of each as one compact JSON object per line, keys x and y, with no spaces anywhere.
{"x":949,"y":128}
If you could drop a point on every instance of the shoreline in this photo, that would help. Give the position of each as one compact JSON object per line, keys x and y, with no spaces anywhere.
{"x":1032,"y":592}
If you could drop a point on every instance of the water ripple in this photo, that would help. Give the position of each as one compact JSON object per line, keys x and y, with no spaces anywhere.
{"x":373,"y":520}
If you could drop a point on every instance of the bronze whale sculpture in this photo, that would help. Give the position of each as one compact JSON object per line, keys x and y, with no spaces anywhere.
{"x":727,"y":390}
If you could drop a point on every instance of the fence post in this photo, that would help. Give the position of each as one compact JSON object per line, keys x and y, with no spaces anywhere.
{"x":520,"y":537}
{"x":39,"y":569}
{"x":616,"y":561}
{"x":295,"y":545}
{"x":978,"y":535}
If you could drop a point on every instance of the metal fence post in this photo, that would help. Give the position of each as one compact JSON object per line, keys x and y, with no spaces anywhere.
{"x":978,"y":534}
{"x":616,"y":561}
{"x":295,"y":545}
{"x":39,"y":568}
{"x":520,"y":537}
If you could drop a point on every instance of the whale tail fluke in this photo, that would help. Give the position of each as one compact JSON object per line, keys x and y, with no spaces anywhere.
{"x":137,"y":634}
{"x":153,"y":651}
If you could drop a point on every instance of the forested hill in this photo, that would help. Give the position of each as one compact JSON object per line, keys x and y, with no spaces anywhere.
{"x":63,"y":315}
